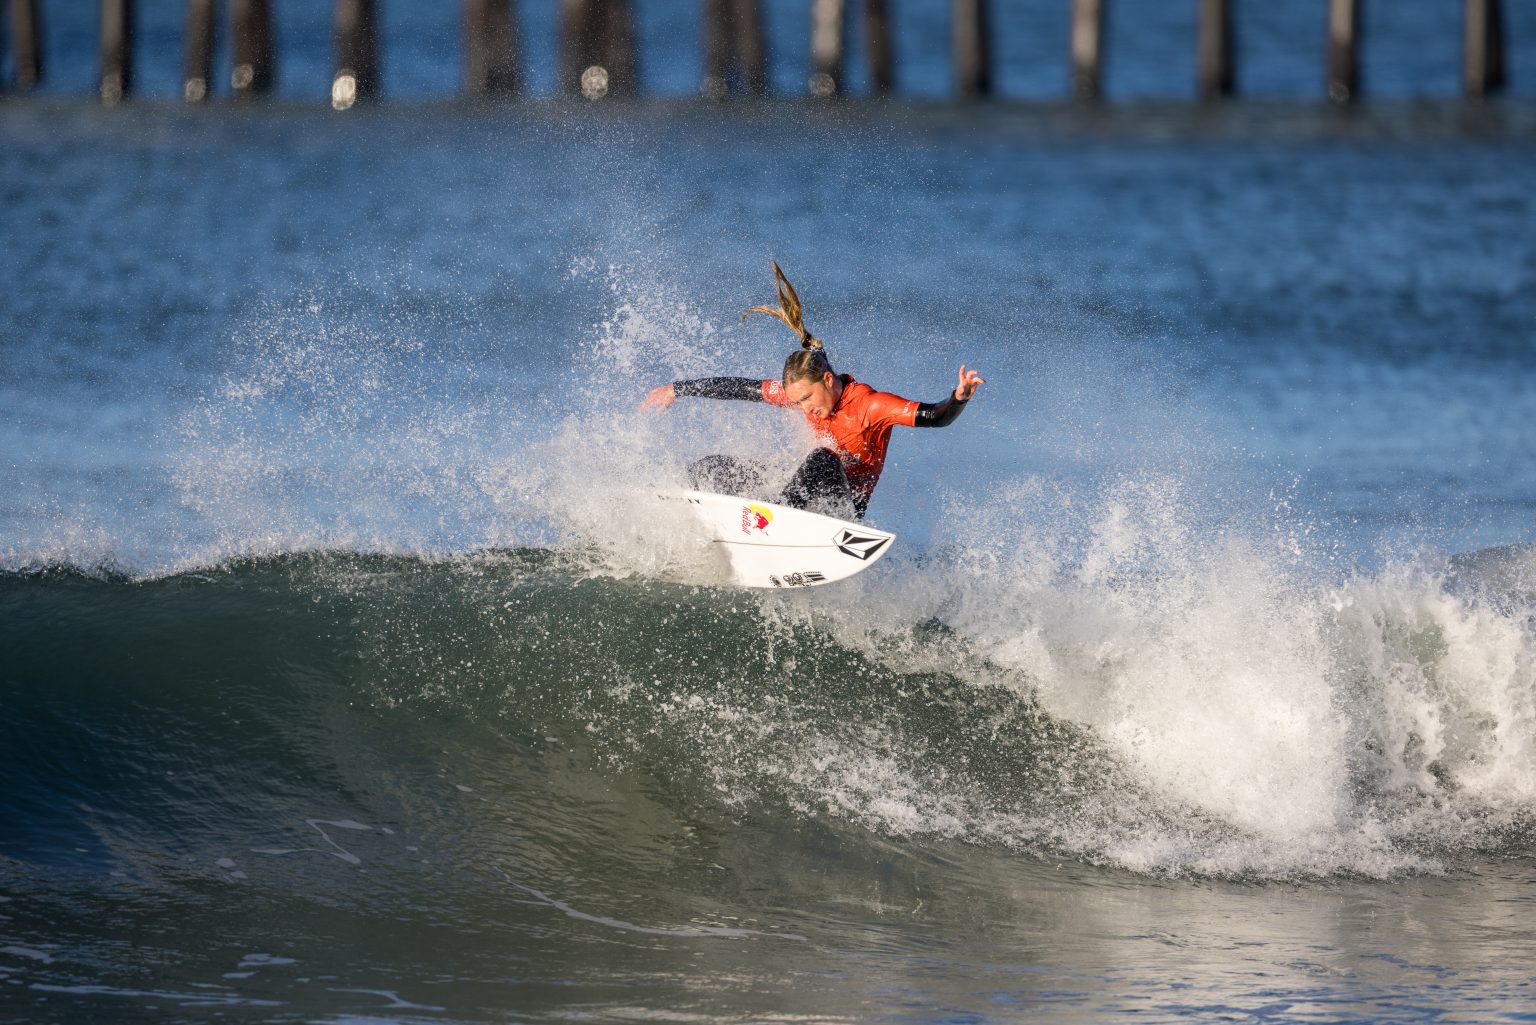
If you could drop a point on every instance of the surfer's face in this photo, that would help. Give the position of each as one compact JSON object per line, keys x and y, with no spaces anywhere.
{"x":815,"y":398}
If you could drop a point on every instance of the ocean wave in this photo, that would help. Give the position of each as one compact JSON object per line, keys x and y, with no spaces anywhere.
{"x":1213,"y":718}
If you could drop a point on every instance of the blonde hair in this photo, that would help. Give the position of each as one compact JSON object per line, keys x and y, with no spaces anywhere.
{"x":810,"y":363}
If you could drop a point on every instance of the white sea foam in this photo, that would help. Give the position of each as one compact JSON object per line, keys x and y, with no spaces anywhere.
{"x":1276,"y":717}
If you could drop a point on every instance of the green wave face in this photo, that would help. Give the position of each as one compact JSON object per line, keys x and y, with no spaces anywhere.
{"x":225,"y":710}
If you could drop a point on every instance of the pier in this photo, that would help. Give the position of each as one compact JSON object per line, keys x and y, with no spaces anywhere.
{"x":598,"y":48}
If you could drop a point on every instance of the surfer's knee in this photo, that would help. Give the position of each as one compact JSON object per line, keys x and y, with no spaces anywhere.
{"x":821,"y":485}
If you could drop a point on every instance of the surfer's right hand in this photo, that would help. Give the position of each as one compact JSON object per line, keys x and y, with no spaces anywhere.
{"x":659,"y":398}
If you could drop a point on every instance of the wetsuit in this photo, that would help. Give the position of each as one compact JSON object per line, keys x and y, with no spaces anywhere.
{"x":841,"y":475}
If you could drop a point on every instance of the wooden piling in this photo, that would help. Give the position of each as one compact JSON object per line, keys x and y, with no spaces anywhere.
{"x":733,"y":48}
{"x":828,"y":21}
{"x":718,"y":49}
{"x":751,"y":46}
{"x":577,"y":48}
{"x":356,"y":78}
{"x":197,"y":61}
{"x":1343,"y":50}
{"x":877,"y":41}
{"x":970,"y":42}
{"x":253,"y":53}
{"x":1087,"y":48}
{"x":1483,"y":55}
{"x":597,"y":49}
{"x":1216,"y":77}
{"x":116,"y":50}
{"x":619,"y":44}
{"x":26,"y":45}
{"x":490,"y":48}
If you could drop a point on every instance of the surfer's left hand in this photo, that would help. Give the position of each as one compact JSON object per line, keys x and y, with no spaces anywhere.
{"x":970,"y":380}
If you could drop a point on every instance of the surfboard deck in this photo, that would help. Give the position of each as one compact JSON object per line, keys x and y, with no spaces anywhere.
{"x":770,"y":545}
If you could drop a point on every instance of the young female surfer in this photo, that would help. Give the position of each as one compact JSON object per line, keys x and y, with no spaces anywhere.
{"x":851,"y":420}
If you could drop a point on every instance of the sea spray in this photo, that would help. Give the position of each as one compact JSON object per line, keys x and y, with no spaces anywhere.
{"x":334,"y":428}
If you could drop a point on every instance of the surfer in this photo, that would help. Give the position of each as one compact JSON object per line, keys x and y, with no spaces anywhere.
{"x":851,"y":420}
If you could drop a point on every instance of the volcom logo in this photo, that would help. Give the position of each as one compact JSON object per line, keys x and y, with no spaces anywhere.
{"x":860,"y":546}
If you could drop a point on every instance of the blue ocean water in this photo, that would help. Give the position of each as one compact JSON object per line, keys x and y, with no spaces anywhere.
{"x":348,"y":675}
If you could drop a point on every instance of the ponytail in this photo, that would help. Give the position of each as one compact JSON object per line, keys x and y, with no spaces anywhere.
{"x":810,"y":363}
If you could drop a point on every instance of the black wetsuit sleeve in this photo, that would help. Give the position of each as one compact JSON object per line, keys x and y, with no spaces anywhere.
{"x":721,"y":388}
{"x":938,"y":414}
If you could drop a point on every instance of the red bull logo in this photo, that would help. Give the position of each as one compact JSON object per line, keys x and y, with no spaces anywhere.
{"x":755,"y":517}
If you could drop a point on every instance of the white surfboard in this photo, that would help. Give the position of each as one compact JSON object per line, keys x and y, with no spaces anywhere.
{"x":769,"y":545}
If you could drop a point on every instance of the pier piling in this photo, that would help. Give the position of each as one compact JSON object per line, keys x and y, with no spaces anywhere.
{"x":253,"y":53}
{"x":828,"y":24}
{"x":577,"y":47}
{"x":1216,"y":76}
{"x":623,"y":60}
{"x":1343,"y":50}
{"x":597,"y":48}
{"x":1087,"y":48}
{"x":829,"y":39}
{"x":971,"y":41}
{"x":717,"y":50}
{"x":598,"y":53}
{"x":733,"y":48}
{"x":490,"y":48}
{"x":26,"y":45}
{"x":197,"y":62}
{"x":116,"y":50}
{"x":1483,"y":60}
{"x":357,"y":54}
{"x":877,"y":38}
{"x":751,"y":45}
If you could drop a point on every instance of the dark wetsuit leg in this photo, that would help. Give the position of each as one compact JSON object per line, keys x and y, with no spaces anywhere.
{"x":820,"y":485}
{"x":726,"y":475}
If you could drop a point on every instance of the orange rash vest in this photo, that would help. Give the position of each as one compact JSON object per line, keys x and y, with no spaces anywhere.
{"x":858,"y":429}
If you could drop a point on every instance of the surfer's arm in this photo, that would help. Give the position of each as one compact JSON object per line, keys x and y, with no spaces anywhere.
{"x":705,"y":388}
{"x":938,"y":414}
{"x":744,"y":388}
{"x":942,"y":414}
